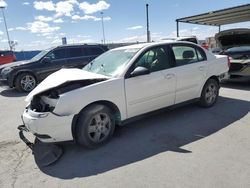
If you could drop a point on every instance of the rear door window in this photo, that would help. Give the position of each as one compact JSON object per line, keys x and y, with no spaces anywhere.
{"x":186,"y":54}
{"x":76,"y":52}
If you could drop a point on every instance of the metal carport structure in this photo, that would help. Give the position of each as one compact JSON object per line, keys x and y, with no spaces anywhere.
{"x":220,"y":17}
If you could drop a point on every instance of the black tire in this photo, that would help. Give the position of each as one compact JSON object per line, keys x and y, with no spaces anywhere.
{"x":96,"y":121}
{"x":20,"y":85}
{"x":209,"y":93}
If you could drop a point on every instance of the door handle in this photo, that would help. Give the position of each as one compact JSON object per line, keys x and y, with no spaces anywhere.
{"x":169,"y":76}
{"x":201,"y":68}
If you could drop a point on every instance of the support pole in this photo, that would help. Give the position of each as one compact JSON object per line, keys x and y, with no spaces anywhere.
{"x":7,"y":32}
{"x":103,"y":31}
{"x":148,"y":32}
{"x":177,"y":28}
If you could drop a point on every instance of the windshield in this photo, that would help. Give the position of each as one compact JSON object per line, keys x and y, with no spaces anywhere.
{"x":238,"y":49}
{"x":111,"y":63}
{"x":40,"y":55}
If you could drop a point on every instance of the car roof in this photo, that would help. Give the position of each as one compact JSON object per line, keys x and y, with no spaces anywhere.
{"x":77,"y":45}
{"x":143,"y":45}
{"x":180,"y":38}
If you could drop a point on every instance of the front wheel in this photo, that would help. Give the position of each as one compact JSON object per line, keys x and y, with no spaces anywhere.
{"x":25,"y":82}
{"x":209,"y":93}
{"x":95,"y":126}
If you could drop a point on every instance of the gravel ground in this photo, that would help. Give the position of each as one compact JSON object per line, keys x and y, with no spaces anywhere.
{"x":184,"y":147}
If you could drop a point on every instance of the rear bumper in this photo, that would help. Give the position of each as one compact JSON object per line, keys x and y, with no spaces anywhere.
{"x":242,"y":74}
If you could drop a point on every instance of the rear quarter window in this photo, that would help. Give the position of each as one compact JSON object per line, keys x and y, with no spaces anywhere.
{"x":187,"y":54}
{"x":201,"y":54}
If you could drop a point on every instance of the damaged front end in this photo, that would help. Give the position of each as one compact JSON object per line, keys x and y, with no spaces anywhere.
{"x":47,"y":100}
{"x":39,"y":117}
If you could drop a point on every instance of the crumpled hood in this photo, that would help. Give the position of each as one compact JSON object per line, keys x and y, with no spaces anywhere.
{"x":62,"y":76}
{"x":233,"y":38}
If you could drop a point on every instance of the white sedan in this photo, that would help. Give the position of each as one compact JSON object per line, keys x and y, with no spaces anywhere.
{"x":86,"y":105}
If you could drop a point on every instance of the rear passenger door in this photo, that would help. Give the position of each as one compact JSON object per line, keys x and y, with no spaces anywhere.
{"x":190,"y":70}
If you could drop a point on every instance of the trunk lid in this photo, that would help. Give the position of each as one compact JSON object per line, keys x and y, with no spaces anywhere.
{"x":233,"y":38}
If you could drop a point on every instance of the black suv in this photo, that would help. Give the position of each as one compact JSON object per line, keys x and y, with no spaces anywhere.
{"x":25,"y":75}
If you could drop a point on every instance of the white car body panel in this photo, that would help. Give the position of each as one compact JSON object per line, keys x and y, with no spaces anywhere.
{"x":132,"y":96}
{"x":147,"y":93}
{"x":111,"y":90}
{"x":189,"y":81}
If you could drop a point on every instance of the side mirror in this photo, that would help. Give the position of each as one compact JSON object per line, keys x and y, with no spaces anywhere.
{"x":46,"y":60}
{"x":139,"y":71}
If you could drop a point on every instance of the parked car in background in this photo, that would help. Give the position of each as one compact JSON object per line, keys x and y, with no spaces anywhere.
{"x":25,"y":75}
{"x":216,"y":50}
{"x":7,"y":56}
{"x":86,"y":105}
{"x":236,"y":44}
{"x":204,"y":45}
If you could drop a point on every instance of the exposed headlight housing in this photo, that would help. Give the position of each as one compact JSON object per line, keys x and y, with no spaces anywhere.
{"x":43,"y":104}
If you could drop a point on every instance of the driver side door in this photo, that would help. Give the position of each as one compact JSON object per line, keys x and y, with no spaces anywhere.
{"x":151,"y":91}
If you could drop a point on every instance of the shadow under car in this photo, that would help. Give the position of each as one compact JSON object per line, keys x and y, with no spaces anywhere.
{"x":11,"y":92}
{"x":168,"y":130}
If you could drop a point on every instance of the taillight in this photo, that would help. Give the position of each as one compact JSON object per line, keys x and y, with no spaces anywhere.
{"x":229,"y":61}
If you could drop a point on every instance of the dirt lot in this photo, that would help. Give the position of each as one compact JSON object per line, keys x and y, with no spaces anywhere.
{"x":185,"y":147}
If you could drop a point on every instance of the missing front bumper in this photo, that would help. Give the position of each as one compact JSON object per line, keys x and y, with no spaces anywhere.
{"x":21,"y":129}
{"x":45,"y":154}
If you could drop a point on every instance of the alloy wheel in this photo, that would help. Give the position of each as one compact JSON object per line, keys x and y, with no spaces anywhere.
{"x":28,"y":82}
{"x":99,"y":127}
{"x":211,"y":93}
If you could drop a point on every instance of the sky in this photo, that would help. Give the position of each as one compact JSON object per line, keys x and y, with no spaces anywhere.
{"x":37,"y":25}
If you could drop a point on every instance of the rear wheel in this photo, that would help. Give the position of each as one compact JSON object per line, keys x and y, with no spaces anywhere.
{"x":209,"y":93}
{"x":95,"y":126}
{"x":25,"y":82}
